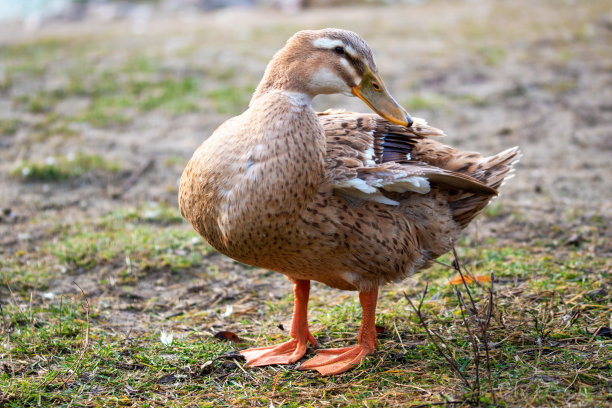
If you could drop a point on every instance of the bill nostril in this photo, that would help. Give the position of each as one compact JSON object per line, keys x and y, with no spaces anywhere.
{"x":409,"y":120}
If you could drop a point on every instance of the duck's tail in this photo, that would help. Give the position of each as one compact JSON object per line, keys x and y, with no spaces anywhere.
{"x":491,"y":171}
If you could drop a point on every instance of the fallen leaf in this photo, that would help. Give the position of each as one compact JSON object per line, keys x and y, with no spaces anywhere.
{"x":469,"y":279}
{"x":227,"y":336}
{"x":380,"y":329}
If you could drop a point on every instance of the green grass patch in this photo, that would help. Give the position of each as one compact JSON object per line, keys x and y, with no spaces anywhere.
{"x":541,"y":347}
{"x":40,"y":102}
{"x":177,"y":95}
{"x":39,"y":49}
{"x":52,"y":125}
{"x":64,"y":167}
{"x":116,"y":94}
{"x":230,"y":100}
{"x":107,"y":111}
{"x":115,"y":104}
{"x":562,"y":86}
{"x":492,"y":55}
{"x":425,"y":102}
{"x":133,"y":234}
{"x":9,"y":127}
{"x":23,"y":271}
{"x":472,"y":100}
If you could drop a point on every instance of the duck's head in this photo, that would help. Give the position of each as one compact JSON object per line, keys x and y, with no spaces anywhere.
{"x":331,"y":61}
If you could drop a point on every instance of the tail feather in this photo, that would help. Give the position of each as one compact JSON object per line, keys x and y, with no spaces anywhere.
{"x":491,"y":171}
{"x":496,"y":169}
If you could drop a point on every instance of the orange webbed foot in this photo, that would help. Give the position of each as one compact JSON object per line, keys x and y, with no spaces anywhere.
{"x":284,"y":353}
{"x":337,"y":360}
{"x":294,"y":349}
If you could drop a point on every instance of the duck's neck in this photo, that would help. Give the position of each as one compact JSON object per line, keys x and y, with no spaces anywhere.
{"x":290,"y":144}
{"x":285,"y":73}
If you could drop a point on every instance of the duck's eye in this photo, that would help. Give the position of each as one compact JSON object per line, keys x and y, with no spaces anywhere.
{"x":339,"y":50}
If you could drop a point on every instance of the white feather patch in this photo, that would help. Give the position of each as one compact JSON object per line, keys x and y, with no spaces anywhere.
{"x":401,"y":185}
{"x":298,"y":99}
{"x":351,"y":277}
{"x":376,"y":196}
{"x":329,"y":43}
{"x":356,"y":183}
{"x":362,"y":190}
{"x":370,"y":156}
{"x":359,"y":189}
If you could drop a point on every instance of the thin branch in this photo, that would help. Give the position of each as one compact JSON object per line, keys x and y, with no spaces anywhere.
{"x":422,"y":321}
{"x":133,"y":179}
{"x":426,"y":255}
{"x":485,"y":331}
{"x":458,"y":269}
{"x":473,"y":340}
{"x":482,"y":325}
{"x":429,"y":404}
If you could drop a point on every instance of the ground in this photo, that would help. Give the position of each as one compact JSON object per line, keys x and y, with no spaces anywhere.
{"x":97,"y":121}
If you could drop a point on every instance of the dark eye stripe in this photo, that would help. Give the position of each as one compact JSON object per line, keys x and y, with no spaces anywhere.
{"x":356,"y":63}
{"x":346,"y":77}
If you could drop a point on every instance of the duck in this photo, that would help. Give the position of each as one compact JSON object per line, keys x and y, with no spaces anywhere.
{"x":350,"y":200}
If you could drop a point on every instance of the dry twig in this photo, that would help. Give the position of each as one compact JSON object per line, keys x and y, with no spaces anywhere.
{"x":429,"y":334}
{"x":477,"y":335}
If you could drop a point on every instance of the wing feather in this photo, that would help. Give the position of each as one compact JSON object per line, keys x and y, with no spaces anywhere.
{"x":368,"y":156}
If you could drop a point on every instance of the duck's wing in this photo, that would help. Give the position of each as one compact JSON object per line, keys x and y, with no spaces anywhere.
{"x":367,"y":156}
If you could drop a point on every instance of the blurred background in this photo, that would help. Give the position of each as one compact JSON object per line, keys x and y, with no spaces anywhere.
{"x":103,"y":102}
{"x":113,"y":85}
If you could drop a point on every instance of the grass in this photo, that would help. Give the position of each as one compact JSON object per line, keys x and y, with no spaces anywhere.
{"x":63,"y":167}
{"x":9,"y":127}
{"x":52,"y":125}
{"x":40,"y":102}
{"x":492,"y":55}
{"x":131,"y":235}
{"x":426,"y":102}
{"x":58,"y":350}
{"x":116,"y":94}
{"x":230,"y":100}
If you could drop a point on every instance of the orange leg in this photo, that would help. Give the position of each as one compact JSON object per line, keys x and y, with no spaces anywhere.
{"x":291,"y":351}
{"x":339,"y":360}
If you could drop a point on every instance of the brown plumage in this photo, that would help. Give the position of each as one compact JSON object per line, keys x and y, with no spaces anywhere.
{"x":351,"y":200}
